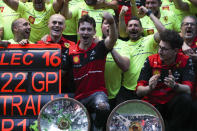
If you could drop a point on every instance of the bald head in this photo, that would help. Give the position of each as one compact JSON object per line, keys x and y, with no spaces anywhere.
{"x":57,"y":16}
{"x":21,"y":28}
{"x":56,"y":25}
{"x":16,"y":22}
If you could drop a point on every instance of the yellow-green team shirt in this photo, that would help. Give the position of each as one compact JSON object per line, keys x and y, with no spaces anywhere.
{"x":113,"y":74}
{"x":38,"y":19}
{"x":192,"y":8}
{"x":139,"y":51}
{"x":168,"y":19}
{"x":7,"y":16}
{"x":84,"y":9}
{"x":169,"y":6}
{"x":71,"y":24}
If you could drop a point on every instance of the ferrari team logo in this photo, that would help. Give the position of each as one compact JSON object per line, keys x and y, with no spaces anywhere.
{"x":156,"y":71}
{"x":196,"y":42}
{"x":150,"y":31}
{"x":31,"y":19}
{"x":76,"y":59}
{"x":178,"y":64}
{"x":165,"y":18}
{"x":67,"y":45}
{"x":84,"y":13}
{"x":165,"y":8}
{"x":1,"y":9}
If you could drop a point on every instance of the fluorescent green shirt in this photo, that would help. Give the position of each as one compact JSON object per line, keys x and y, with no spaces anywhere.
{"x":38,"y":20}
{"x":71,"y":24}
{"x":113,"y":74}
{"x":168,"y":5}
{"x":7,"y":16}
{"x":168,"y":19}
{"x":83,"y":9}
{"x":140,"y":50}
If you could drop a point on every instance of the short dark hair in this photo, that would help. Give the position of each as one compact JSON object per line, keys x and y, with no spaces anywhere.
{"x":87,"y":18}
{"x":189,"y":16}
{"x":135,"y":18}
{"x":172,"y":37}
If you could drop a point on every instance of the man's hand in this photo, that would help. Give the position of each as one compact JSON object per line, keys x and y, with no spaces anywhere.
{"x":123,"y":11}
{"x":187,"y":50}
{"x":24,"y":42}
{"x":170,"y":80}
{"x":153,"y":81}
{"x":142,"y":11}
{"x":44,"y":39}
{"x":108,"y":17}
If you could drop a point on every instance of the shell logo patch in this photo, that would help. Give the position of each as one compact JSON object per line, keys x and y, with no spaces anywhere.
{"x":67,"y":45}
{"x":31,"y":19}
{"x":178,"y":64}
{"x":156,"y":71}
{"x":84,"y":13}
{"x":165,"y":18}
{"x":76,"y":59}
{"x":196,"y":42}
{"x":150,"y":31}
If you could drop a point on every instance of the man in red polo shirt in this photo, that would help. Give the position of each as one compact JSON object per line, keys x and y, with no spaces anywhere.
{"x":87,"y":61}
{"x":166,"y":81}
{"x":56,"y":25}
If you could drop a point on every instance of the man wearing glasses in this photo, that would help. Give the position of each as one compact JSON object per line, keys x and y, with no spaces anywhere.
{"x":166,"y":81}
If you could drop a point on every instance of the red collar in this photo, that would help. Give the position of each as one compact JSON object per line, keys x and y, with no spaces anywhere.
{"x":82,"y":50}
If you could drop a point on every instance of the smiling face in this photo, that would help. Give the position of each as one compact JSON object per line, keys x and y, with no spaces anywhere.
{"x":134,"y":30}
{"x":23,"y":28}
{"x":56,"y":25}
{"x":86,"y":32}
{"x":39,"y":5}
{"x":189,"y":28}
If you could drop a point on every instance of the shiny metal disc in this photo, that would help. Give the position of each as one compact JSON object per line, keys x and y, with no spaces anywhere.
{"x":63,"y":114}
{"x":135,"y":115}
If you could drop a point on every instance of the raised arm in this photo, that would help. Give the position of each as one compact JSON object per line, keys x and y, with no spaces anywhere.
{"x":113,"y":34}
{"x":121,"y":23}
{"x":122,"y":62}
{"x":159,"y":26}
{"x":57,"y":5}
{"x":134,"y":9}
{"x":65,"y":10}
{"x":179,"y":4}
{"x":12,"y":4}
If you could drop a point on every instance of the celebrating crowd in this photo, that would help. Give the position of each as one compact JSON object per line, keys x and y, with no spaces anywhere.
{"x":116,"y":50}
